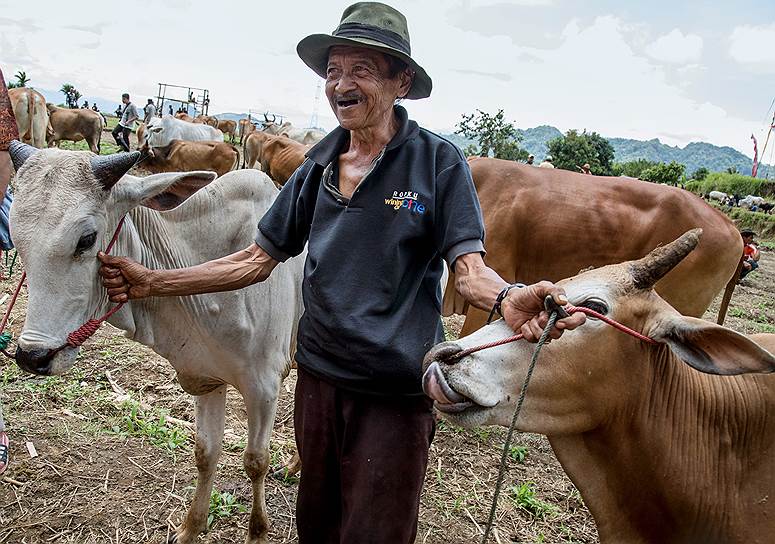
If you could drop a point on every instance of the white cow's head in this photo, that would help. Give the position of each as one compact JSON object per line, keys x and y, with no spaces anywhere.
{"x":67,"y":206}
{"x":594,"y":372}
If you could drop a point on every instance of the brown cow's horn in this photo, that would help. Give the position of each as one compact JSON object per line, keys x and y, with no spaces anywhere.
{"x":108,"y":169}
{"x":20,"y":152}
{"x":651,"y":268}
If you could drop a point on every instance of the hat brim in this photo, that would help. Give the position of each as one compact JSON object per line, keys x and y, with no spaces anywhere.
{"x":313,"y":50}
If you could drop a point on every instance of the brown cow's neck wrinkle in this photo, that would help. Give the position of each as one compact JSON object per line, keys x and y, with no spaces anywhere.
{"x":697,"y":434}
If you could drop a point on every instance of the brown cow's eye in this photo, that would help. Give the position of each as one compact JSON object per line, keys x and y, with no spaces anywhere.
{"x":595,"y":305}
{"x":85,"y":242}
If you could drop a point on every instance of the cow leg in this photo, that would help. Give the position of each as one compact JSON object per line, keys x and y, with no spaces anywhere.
{"x":261,"y":407}
{"x":210,"y":410}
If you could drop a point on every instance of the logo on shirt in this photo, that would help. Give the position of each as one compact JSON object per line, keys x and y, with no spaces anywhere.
{"x":405,"y":199}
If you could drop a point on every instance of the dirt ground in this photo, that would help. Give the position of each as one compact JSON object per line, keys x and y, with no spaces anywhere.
{"x":108,"y":471}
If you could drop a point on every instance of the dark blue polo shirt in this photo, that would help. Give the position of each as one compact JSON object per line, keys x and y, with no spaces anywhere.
{"x":371,"y":280}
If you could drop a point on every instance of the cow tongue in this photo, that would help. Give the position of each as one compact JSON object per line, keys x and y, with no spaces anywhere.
{"x":437,"y":388}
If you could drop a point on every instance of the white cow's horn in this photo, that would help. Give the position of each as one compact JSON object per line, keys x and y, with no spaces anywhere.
{"x":651,"y":268}
{"x":19,"y":152}
{"x":108,"y":169}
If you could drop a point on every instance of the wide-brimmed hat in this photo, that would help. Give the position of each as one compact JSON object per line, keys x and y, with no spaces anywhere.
{"x":372,"y":25}
{"x":748,"y":232}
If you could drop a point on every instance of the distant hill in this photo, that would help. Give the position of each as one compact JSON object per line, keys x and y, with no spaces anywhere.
{"x":693,"y":156}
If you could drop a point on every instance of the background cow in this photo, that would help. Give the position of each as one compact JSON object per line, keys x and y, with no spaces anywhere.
{"x":551,"y":223}
{"x":306,"y":136}
{"x":160,"y":132}
{"x":180,"y":156}
{"x":75,"y":125}
{"x":29,"y":108}
{"x":659,"y":451}
{"x":278,"y":156}
{"x":246,"y":128}
{"x":228,"y":127}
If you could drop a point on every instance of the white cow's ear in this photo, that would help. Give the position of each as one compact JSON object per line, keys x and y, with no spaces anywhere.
{"x":163,"y":191}
{"x":711,"y":348}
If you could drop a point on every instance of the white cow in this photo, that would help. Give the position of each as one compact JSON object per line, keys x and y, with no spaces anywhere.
{"x":750,"y":201}
{"x":161,"y":131}
{"x":66,"y":208}
{"x":717,"y":195}
{"x":306,"y":136}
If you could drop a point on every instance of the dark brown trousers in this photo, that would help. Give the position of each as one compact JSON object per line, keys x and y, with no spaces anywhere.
{"x":363,"y":461}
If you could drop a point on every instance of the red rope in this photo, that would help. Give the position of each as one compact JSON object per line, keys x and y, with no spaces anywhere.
{"x":571,"y":310}
{"x":85,"y":331}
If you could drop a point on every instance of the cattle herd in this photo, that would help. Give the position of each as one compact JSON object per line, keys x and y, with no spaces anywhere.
{"x":703,"y":397}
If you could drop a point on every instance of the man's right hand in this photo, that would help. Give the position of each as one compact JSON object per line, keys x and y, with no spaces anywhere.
{"x":124,"y":278}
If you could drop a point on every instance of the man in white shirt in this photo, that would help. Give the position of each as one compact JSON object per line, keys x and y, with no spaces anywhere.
{"x":128,"y":118}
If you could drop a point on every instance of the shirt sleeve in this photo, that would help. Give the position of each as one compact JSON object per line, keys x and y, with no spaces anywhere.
{"x":284,"y":229}
{"x":458,"y":222}
{"x":8,"y":129}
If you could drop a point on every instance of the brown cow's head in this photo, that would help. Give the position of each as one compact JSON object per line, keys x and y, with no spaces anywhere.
{"x":594,"y":371}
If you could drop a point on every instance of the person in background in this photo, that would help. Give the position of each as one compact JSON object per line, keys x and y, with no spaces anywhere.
{"x":547,"y":162}
{"x":530,"y":160}
{"x":8,"y":132}
{"x":170,"y":109}
{"x":150,"y":111}
{"x":85,"y":105}
{"x":585,"y":169}
{"x":94,"y":107}
{"x":128,"y":118}
{"x":751,"y":253}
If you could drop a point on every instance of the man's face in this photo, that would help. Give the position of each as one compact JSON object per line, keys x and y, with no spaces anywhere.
{"x":747,"y":239}
{"x":359,"y":88}
{"x":125,"y":100}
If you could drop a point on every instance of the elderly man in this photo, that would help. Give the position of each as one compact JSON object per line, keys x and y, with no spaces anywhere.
{"x":379,"y":202}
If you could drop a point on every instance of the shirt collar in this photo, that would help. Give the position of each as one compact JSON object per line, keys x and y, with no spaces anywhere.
{"x":330,"y":147}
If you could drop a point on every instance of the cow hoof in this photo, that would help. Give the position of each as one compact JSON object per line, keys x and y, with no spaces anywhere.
{"x":181,"y":537}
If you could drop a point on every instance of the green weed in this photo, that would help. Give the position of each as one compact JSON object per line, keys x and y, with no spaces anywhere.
{"x":523,"y":496}
{"x":223,"y":505}
{"x":154,"y":426}
{"x":518,"y":453}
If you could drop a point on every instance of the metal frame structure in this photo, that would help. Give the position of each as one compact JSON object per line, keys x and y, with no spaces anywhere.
{"x":194,"y":97}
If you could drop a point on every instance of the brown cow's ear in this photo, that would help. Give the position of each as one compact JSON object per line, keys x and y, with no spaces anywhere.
{"x":711,"y":348}
{"x":164,"y":192}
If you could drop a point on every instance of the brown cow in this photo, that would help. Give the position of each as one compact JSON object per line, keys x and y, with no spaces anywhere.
{"x":660,"y":452}
{"x":183,"y":116}
{"x":141,"y":128}
{"x":551,"y":223}
{"x":206,"y":120}
{"x":228,"y":127}
{"x":74,"y":125}
{"x":278,"y":156}
{"x":183,"y":156}
{"x":246,"y":128}
{"x":29,"y":108}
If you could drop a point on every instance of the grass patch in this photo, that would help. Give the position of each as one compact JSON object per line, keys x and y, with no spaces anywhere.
{"x":223,"y":505}
{"x":523,"y":496}
{"x":106,"y":147}
{"x":518,"y":453}
{"x":154,"y":426}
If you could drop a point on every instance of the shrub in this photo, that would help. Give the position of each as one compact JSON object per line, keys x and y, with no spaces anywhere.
{"x":733,"y":184}
{"x":669,"y":174}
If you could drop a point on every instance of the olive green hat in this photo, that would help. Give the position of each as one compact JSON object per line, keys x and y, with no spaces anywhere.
{"x":372,"y":25}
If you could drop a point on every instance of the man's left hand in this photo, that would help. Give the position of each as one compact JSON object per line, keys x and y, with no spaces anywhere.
{"x":523,"y":310}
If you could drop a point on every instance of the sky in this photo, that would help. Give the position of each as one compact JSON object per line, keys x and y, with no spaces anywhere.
{"x":678,"y":71}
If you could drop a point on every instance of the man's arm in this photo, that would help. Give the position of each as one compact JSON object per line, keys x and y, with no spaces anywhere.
{"x":522,"y":309}
{"x":125,"y":279}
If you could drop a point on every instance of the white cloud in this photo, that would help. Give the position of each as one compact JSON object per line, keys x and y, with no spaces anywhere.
{"x":676,"y":47}
{"x":753,"y":45}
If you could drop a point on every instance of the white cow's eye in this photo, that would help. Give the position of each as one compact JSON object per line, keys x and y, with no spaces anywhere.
{"x":596,"y":305}
{"x":85,"y":242}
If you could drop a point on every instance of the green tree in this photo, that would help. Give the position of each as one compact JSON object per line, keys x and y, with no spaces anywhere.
{"x":571,"y":151}
{"x":701,"y":173}
{"x":71,"y":95}
{"x":494,"y":135}
{"x":632,"y":169}
{"x":669,"y":174}
{"x":21,"y":80}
